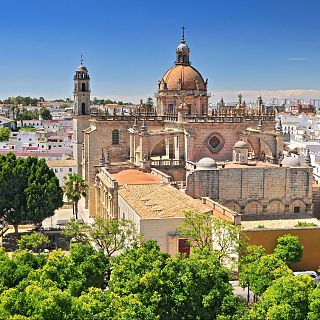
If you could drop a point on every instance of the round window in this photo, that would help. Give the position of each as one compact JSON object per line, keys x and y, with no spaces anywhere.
{"x":215,"y":142}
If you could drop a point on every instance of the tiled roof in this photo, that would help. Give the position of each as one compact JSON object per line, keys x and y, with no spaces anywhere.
{"x":131,"y":176}
{"x":160,"y":201}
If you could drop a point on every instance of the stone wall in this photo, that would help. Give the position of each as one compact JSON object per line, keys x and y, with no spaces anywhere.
{"x":316,"y":201}
{"x":309,"y":238}
{"x":255,"y":190}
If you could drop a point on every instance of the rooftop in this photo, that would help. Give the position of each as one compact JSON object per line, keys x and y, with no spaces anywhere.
{"x":276,"y":221}
{"x":253,"y":164}
{"x":61,"y":163}
{"x":132,"y":176}
{"x":160,"y":201}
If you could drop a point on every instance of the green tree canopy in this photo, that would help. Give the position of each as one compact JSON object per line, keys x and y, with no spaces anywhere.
{"x":45,"y":113}
{"x":203,"y":230}
{"x":287,"y":298}
{"x":288,"y":249}
{"x":29,"y":190}
{"x":34,"y":241}
{"x":4,"y":134}
{"x":175,"y":288}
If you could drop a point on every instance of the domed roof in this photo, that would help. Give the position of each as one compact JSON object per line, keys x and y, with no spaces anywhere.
{"x":82,"y":68}
{"x":290,"y":162}
{"x":131,"y":176}
{"x":188,"y":76}
{"x":182,"y":47}
{"x":205,"y":164}
{"x":241,"y":144}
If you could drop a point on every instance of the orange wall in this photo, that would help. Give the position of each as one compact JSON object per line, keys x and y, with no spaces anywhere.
{"x":309,"y":237}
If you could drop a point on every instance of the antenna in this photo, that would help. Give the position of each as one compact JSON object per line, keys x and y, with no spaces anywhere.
{"x":81,"y":57}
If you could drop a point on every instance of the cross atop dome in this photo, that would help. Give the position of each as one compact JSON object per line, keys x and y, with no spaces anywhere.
{"x":182,"y":38}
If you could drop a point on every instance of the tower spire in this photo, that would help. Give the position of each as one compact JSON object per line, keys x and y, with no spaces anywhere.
{"x":182,"y":38}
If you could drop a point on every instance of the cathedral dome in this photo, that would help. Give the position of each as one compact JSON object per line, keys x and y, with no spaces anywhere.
{"x":290,"y":162}
{"x":240,"y":144}
{"x":182,"y":47}
{"x":82,"y":68}
{"x":183,"y":77}
{"x":205,"y":164}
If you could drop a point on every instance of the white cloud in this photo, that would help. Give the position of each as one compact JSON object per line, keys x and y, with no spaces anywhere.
{"x":297,"y":59}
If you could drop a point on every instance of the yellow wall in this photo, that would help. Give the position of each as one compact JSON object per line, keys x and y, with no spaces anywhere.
{"x":309,"y":237}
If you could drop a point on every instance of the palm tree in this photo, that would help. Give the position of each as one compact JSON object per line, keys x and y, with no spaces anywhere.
{"x":75,"y":188}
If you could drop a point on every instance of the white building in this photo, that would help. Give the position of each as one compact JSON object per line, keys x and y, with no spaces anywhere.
{"x":62,"y":168}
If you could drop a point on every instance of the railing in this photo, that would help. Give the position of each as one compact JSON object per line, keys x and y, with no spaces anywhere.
{"x":168,"y":163}
{"x":216,"y":118}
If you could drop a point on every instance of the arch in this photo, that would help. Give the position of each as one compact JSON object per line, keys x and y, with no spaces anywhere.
{"x":159,"y":149}
{"x":275,"y":206}
{"x":297,"y":206}
{"x":115,"y":136}
{"x":253,"y":207}
{"x":83,"y":86}
{"x":233,"y":205}
{"x":83,"y":108}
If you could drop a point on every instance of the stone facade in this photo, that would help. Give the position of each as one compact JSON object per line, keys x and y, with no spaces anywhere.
{"x":170,"y":139}
{"x":268,"y":189}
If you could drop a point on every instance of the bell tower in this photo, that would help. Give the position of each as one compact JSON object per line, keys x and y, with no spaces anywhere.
{"x":81,"y":91}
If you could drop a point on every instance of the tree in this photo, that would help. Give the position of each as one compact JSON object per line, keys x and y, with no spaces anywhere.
{"x":45,"y":113}
{"x":203,"y":230}
{"x":264,"y":271}
{"x":314,"y":304}
{"x":29,"y":190}
{"x":75,"y":188}
{"x":247,"y":265}
{"x":288,"y":249}
{"x":174,"y":288}
{"x":4,"y":134}
{"x":34,"y":241}
{"x":287,"y":298}
{"x":110,"y":236}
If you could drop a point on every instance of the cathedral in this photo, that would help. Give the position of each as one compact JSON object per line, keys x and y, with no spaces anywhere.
{"x":231,"y":155}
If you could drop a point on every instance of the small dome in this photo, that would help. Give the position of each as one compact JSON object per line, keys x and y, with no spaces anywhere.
{"x":82,"y":68}
{"x":182,"y":47}
{"x":181,"y":77}
{"x":290,"y":162}
{"x":205,"y":164}
{"x":241,"y":144}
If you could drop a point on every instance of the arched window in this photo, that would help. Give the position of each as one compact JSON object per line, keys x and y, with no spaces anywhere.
{"x":83,"y":108}
{"x":83,"y":87}
{"x":115,"y":136}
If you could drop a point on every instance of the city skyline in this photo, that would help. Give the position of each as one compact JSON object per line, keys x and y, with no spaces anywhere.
{"x":266,"y":48}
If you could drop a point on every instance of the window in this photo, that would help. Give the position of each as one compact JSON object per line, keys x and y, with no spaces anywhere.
{"x":170,"y":108}
{"x":83,"y":87}
{"x":70,"y":169}
{"x":296,"y":209}
{"x":83,"y":108}
{"x":183,"y":246}
{"x":55,"y":170}
{"x":115,"y":136}
{"x":61,"y":169}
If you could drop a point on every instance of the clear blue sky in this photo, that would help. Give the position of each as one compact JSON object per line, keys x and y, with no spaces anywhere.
{"x":129,"y":44}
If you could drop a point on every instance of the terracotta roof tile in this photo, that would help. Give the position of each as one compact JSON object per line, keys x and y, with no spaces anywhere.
{"x":160,"y":201}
